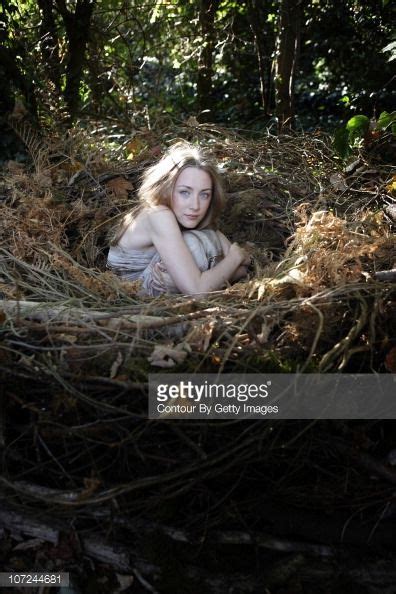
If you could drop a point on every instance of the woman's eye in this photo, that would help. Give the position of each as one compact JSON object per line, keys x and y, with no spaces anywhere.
{"x":205,"y":196}
{"x":184,"y":192}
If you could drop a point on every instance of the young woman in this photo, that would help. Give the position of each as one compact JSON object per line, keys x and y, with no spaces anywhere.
{"x":170,"y":240}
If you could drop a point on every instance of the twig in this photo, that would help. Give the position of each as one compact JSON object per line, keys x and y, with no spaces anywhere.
{"x":79,"y":498}
{"x":345,"y":343}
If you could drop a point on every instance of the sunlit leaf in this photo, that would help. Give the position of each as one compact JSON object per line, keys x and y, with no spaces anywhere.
{"x":357,"y":127}
{"x":358,"y":124}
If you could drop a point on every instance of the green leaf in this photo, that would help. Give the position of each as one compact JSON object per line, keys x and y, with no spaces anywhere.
{"x":357,"y":127}
{"x":358,"y":123}
{"x":156,"y":11}
{"x":341,"y":142}
{"x":385,"y":119}
{"x":346,"y":100}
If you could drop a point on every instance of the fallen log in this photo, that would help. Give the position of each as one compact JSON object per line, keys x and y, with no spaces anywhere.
{"x":378,"y":572}
{"x":44,"y":312}
{"x":115,"y":320}
{"x":48,"y":530}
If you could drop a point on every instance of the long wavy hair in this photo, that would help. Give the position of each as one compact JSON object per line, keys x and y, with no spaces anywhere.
{"x":159,"y":180}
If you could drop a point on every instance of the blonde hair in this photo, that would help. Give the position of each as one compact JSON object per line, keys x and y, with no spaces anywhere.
{"x":159,"y":180}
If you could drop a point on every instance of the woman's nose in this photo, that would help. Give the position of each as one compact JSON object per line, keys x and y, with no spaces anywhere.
{"x":194,"y":202}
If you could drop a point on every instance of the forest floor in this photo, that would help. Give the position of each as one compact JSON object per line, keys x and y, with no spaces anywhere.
{"x":90,"y":485}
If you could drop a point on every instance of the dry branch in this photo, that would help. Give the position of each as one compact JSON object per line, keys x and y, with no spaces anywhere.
{"x":390,"y":210}
{"x":83,"y":498}
{"x":388,"y":276}
{"x":119,"y":557}
{"x":124,"y":558}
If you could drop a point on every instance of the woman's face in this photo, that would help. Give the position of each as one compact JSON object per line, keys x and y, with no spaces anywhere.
{"x":191,"y":196}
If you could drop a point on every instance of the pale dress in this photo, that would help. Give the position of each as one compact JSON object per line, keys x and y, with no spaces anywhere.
{"x":147,"y":266}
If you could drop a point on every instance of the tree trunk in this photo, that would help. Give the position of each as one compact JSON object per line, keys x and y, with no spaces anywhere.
{"x":287,"y":54}
{"x":12,"y":76}
{"x":257,"y":11}
{"x":49,"y":41}
{"x":207,"y":14}
{"x":12,"y":55}
{"x":77,"y":26}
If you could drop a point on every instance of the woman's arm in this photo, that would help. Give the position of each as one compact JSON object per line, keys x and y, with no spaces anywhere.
{"x":166,"y":236}
{"x":242,"y":270}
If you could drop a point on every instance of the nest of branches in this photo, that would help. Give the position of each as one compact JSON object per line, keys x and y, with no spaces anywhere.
{"x":77,"y":342}
{"x":317,"y":239}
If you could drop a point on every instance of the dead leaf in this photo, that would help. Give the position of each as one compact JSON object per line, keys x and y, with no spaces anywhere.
{"x":120,"y":187}
{"x":192,"y":121}
{"x":200,"y":335}
{"x":19,"y":111}
{"x":169,"y":355}
{"x":392,"y":186}
{"x":15,"y":167}
{"x":43,"y":179}
{"x":32,"y":543}
{"x":91,"y":485}
{"x":68,"y":338}
{"x":156,"y":150}
{"x":293,"y":276}
{"x":125,"y":582}
{"x":338,"y":182}
{"x":262,"y":338}
{"x":135,"y":146}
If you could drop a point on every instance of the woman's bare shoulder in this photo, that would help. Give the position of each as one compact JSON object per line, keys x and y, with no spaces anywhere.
{"x":142,"y":220}
{"x":136,"y":234}
{"x":159,"y":216}
{"x":149,"y":223}
{"x":157,"y":211}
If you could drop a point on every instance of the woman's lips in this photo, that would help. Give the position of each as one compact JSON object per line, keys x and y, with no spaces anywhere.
{"x":192,"y":217}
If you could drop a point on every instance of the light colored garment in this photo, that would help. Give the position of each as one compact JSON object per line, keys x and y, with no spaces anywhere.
{"x":147,"y":266}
